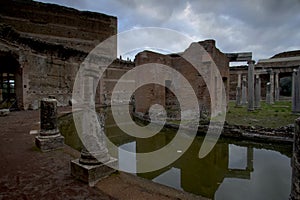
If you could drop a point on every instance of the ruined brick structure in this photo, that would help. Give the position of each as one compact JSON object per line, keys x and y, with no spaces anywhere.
{"x":110,"y":77}
{"x":155,"y":94}
{"x":42,"y":47}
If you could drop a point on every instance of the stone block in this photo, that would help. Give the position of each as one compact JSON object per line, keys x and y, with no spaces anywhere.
{"x":91,"y":174}
{"x":49,"y":143}
{"x":4,"y":112}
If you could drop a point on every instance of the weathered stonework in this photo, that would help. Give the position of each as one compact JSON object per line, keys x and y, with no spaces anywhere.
{"x":110,"y":78}
{"x":49,"y":137}
{"x":44,"y":45}
{"x":91,"y":167}
{"x":251,"y":85}
{"x":296,"y":91}
{"x":91,"y":174}
{"x":151,"y":94}
{"x":295,"y":193}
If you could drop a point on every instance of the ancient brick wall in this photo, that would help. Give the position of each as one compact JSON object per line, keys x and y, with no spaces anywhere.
{"x":80,"y":30}
{"x":50,"y":42}
{"x":111,"y":76}
{"x":151,"y":94}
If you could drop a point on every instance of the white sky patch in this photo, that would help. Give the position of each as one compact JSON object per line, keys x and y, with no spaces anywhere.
{"x":153,"y":39}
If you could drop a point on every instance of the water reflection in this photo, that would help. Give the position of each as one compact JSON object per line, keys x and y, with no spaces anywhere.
{"x":200,"y":176}
{"x":232,"y":170}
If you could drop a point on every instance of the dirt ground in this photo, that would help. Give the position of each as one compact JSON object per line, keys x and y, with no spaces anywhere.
{"x":27,"y":173}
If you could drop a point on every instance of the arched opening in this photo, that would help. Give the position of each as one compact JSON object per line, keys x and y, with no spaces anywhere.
{"x":10,"y":81}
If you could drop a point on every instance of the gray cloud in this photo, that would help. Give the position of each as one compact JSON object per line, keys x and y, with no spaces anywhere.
{"x":265,"y":27}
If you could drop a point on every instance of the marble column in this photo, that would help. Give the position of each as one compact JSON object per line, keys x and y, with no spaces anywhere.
{"x":277,"y":90}
{"x":296,"y":91}
{"x":244,"y":91}
{"x":295,"y":189}
{"x":238,"y":99}
{"x":271,"y":86}
{"x":257,"y":92}
{"x":251,"y":85}
{"x":268,"y":93}
{"x":49,"y":137}
{"x":95,"y":161}
{"x":239,"y":80}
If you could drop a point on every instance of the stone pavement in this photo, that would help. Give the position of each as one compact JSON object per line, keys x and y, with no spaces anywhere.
{"x":27,"y":173}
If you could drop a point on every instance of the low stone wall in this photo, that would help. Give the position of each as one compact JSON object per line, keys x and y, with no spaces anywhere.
{"x":282,"y":135}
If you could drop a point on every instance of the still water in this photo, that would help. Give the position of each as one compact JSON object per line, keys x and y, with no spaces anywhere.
{"x":232,"y":170}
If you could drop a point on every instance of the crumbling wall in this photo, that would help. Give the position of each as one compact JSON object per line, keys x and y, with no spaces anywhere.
{"x":149,"y":94}
{"x":154,"y":94}
{"x":111,"y":76}
{"x":50,"y":42}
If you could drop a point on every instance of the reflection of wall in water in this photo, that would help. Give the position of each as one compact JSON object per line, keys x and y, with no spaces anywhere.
{"x":199,"y":176}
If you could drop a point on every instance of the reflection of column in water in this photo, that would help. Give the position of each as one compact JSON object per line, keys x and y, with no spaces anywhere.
{"x":249,"y":159}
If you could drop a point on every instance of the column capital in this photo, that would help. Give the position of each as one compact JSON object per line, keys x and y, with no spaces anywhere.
{"x":270,"y":71}
{"x":251,"y":62}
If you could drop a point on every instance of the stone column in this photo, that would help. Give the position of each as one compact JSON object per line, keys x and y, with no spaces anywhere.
{"x":257,"y":92}
{"x":1,"y":98}
{"x":251,"y":85}
{"x":277,"y":90}
{"x":238,"y":99}
{"x":95,"y":161}
{"x":296,"y":91}
{"x":49,"y":137}
{"x":295,"y":189}
{"x":239,"y":80}
{"x":271,"y":86}
{"x":268,"y":93}
{"x":244,"y":91}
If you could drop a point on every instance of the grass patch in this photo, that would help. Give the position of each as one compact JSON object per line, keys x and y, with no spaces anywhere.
{"x":271,"y":116}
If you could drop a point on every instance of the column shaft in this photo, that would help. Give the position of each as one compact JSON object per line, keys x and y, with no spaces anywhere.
{"x":251,"y":85}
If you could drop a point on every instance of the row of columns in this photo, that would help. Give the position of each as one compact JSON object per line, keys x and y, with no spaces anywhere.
{"x":249,"y":92}
{"x":254,"y":89}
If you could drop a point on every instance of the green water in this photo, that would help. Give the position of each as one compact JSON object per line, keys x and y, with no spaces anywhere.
{"x":232,"y":170}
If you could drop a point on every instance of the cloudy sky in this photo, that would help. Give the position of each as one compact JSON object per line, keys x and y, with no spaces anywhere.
{"x":264,"y":27}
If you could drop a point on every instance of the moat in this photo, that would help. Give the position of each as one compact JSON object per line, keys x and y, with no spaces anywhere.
{"x":232,"y":170}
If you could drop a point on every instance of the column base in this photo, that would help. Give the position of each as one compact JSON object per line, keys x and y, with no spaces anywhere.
{"x":49,"y":143}
{"x":91,"y":174}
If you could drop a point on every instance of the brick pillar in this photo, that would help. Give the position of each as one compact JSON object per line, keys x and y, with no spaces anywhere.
{"x":251,"y":85}
{"x":295,"y":191}
{"x":49,"y":137}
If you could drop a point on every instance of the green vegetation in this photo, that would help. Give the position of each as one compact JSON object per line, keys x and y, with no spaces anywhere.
{"x":270,"y":116}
